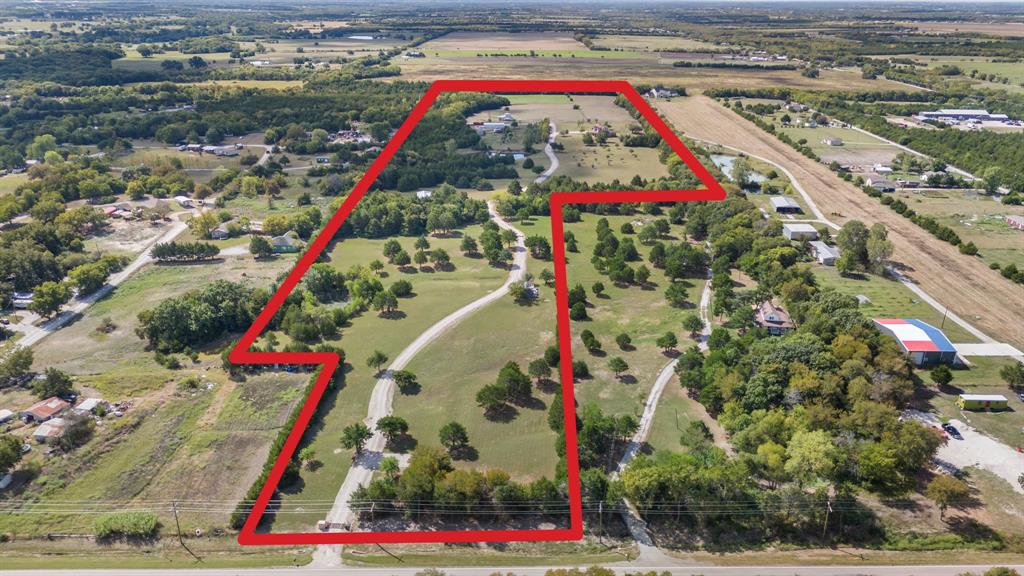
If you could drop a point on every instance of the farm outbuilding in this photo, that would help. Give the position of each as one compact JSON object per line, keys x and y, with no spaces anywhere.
{"x":785,"y":205}
{"x":1015,"y":222}
{"x":50,"y":431}
{"x":982,"y":402}
{"x":924,"y":344}
{"x":823,"y":253}
{"x":799,"y":231}
{"x":832,"y":141}
{"x":44,"y":410}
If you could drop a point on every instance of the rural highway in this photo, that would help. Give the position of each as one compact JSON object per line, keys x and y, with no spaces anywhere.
{"x":383,"y":393}
{"x":33,"y":334}
{"x":551,"y":155}
{"x":620,"y":569}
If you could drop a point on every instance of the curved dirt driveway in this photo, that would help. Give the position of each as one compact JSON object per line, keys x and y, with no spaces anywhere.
{"x":381,"y":398}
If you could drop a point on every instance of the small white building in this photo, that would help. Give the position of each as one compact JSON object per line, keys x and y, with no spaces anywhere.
{"x":823,"y":253}
{"x":494,"y":127}
{"x":5,"y":415}
{"x":507,"y":117}
{"x":662,"y":93}
{"x":881,"y":169}
{"x":183,"y":201}
{"x":799,"y":231}
{"x":89,"y":406}
{"x":832,"y":141}
{"x":423,"y":194}
{"x":22,"y":300}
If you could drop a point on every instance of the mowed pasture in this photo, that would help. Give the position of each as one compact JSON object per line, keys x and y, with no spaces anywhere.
{"x":607,"y":162}
{"x":975,"y":218}
{"x":641,"y":312}
{"x":476,"y":349}
{"x":654,"y":43}
{"x":285,"y":51}
{"x":189,"y":160}
{"x":10,"y":182}
{"x":889,"y":299}
{"x":644,"y":69}
{"x":437,"y":294}
{"x":858,"y":149}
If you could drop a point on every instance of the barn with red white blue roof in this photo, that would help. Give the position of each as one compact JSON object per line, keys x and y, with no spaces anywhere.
{"x":925,"y":344}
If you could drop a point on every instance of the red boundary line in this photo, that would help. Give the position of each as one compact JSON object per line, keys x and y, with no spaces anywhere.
{"x":241,"y":354}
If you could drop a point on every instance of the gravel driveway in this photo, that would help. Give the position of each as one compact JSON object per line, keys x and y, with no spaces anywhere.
{"x":977,"y":450}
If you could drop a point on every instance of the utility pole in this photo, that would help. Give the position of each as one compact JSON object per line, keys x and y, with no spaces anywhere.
{"x":181,"y":540}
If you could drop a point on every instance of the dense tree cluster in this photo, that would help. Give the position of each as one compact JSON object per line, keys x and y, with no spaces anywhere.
{"x":431,"y":486}
{"x":200,"y":316}
{"x":381,"y":214}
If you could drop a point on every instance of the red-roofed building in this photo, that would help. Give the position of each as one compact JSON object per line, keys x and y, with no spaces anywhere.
{"x":44,"y":410}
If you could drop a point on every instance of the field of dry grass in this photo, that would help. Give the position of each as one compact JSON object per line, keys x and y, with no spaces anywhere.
{"x":965,"y":284}
{"x":642,"y":69}
{"x":1008,"y":29}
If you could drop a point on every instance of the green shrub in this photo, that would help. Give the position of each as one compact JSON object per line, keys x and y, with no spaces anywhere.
{"x":125,"y":525}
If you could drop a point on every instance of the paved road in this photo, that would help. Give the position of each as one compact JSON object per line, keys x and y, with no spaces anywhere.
{"x":33,"y":334}
{"x":551,"y":155}
{"x":383,"y":393}
{"x":857,"y":570}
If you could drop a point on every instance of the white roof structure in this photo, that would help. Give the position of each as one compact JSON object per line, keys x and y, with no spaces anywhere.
{"x":984,"y":397}
{"x":5,"y":415}
{"x":822,"y":249}
{"x":799,"y":227}
{"x":88,"y":405}
{"x":424,"y":193}
{"x":784,"y":202}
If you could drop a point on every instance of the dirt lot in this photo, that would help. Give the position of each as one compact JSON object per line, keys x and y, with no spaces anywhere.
{"x":964,"y":284}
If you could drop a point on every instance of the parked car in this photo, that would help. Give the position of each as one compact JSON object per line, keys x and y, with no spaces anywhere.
{"x":952,"y":431}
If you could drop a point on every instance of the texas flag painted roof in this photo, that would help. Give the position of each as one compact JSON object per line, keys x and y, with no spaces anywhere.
{"x":915,"y":335}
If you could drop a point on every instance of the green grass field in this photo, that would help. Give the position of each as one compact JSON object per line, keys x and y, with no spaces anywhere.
{"x":889,"y":299}
{"x":975,"y":218}
{"x":607,"y":162}
{"x":475,"y":352}
{"x":11,"y":181}
{"x":981,"y":377}
{"x":437,"y":295}
{"x":857,"y":148}
{"x":653,"y":43}
{"x":189,"y":160}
